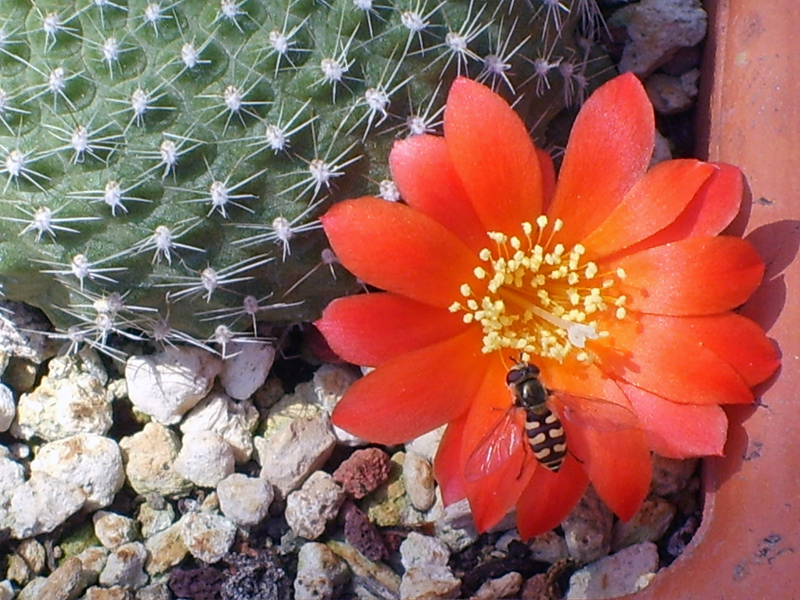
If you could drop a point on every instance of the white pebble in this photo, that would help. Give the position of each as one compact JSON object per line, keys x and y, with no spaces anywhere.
{"x":207,"y":536}
{"x":293,"y":453}
{"x":244,"y":500}
{"x":41,"y":504}
{"x":320,"y":573}
{"x":149,"y":457}
{"x":429,"y":582}
{"x":620,"y":574}
{"x":587,"y":529}
{"x":165,"y":549}
{"x":419,"y":481}
{"x":125,"y":567}
{"x":87,"y":461}
{"x":670,"y":475}
{"x":507,"y":586}
{"x":427,"y":444}
{"x":548,"y":547}
{"x":112,"y":529}
{"x":12,"y":476}
{"x":233,"y":421}
{"x":309,"y":509}
{"x":329,"y":385}
{"x":8,"y":408}
{"x":6,"y":590}
{"x":246,"y":371}
{"x":94,"y":560}
{"x":205,"y":458}
{"x":418,"y":550}
{"x":71,"y":399}
{"x":167,"y":384}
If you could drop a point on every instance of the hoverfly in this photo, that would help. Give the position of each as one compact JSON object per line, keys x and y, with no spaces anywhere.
{"x":542,"y":431}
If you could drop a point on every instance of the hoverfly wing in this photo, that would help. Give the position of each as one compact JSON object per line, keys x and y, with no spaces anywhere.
{"x":497,"y":446}
{"x":593,"y":413}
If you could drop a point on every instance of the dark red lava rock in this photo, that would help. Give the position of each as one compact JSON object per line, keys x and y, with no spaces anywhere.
{"x":363,"y":472}
{"x":361,"y":533}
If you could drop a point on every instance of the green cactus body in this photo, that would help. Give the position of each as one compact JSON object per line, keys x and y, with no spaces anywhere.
{"x":166,"y":162}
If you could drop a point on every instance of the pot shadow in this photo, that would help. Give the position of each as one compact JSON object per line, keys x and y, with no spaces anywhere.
{"x":778,"y":244}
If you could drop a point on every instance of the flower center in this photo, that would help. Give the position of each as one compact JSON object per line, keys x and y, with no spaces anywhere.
{"x":541,"y":298}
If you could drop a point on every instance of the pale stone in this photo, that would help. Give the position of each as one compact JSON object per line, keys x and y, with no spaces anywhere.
{"x":245,"y":500}
{"x":65,"y":583}
{"x":587,"y":529}
{"x":207,"y":536}
{"x":507,"y":586}
{"x":620,"y":574}
{"x":329,"y":385}
{"x":167,"y":384}
{"x":309,"y":509}
{"x":548,"y":547}
{"x":112,"y":529}
{"x":43,"y":503}
{"x":429,"y":582}
{"x":427,"y":444}
{"x":165,"y":549}
{"x":320,"y":573}
{"x":125,"y":566}
{"x":419,"y":481}
{"x":156,"y":514}
{"x":70,"y":400}
{"x":6,"y":590}
{"x":419,"y":550}
{"x":293,"y":453}
{"x":247,"y":368}
{"x":205,"y":458}
{"x":648,"y":524}
{"x":375,"y":577}
{"x":8,"y":408}
{"x":34,"y":555}
{"x":234,"y":421}
{"x":12,"y":476}
{"x":112,"y":593}
{"x":88,"y":461}
{"x":94,"y":560}
{"x":149,"y":456}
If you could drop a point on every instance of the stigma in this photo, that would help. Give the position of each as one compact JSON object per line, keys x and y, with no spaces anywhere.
{"x":540,"y":298}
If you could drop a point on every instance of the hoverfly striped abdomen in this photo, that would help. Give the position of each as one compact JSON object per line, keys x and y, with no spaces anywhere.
{"x":546,"y":437}
{"x":542,"y":426}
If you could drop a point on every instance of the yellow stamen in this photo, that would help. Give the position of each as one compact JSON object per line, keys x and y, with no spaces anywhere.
{"x":539,"y":295}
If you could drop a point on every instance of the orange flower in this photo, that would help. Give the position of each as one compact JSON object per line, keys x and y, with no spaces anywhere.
{"x":613,"y":281}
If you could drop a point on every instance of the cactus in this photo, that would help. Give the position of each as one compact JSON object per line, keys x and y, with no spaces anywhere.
{"x":164,"y":163}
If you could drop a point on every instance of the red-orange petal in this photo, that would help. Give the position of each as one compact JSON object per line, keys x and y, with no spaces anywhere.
{"x":428,"y":182}
{"x":400,"y":250}
{"x":415,"y":392}
{"x":493,"y":155}
{"x":652,"y":204}
{"x":711,"y":210}
{"x":738,"y":341}
{"x":679,"y":430}
{"x":370,"y":329}
{"x":608,"y":151}
{"x":693,"y":276}
{"x":550,"y":497}
{"x":658,"y":354}
{"x":447,"y":466}
{"x":617,"y":463}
